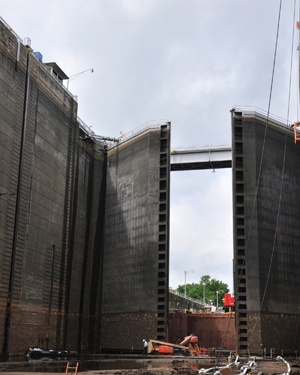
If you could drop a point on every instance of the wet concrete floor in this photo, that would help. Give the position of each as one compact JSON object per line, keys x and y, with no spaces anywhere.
{"x":139,"y":365}
{"x":111,"y":364}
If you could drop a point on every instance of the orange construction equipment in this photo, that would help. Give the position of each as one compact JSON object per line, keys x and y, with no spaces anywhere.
{"x":187,"y":339}
{"x":188,"y":346}
{"x":194,"y":340}
{"x":159,"y":347}
{"x":165,"y":350}
{"x":193,"y":346}
{"x":296,"y":134}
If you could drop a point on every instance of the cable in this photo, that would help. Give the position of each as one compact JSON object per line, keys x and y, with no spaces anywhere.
{"x":262,"y":157}
{"x":265,"y":134}
{"x":297,"y":325}
{"x":264,"y":139}
{"x":298,"y":87}
{"x":224,"y":338}
{"x":291,"y":64}
{"x":281,"y":182}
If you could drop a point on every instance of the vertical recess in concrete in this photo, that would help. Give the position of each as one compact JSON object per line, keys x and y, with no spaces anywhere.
{"x":163,"y":242}
{"x":239,"y":231}
{"x":266,"y":207}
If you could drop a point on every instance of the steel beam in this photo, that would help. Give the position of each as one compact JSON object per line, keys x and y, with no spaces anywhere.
{"x":201,"y":158}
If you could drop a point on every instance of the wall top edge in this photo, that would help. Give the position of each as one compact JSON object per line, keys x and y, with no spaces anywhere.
{"x":139,"y":131}
{"x":250,"y":111}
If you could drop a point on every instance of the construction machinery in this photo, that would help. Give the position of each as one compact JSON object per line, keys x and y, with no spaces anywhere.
{"x":189,"y":347}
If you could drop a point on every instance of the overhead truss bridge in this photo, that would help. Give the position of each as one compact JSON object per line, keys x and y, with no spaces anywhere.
{"x":201,"y":158}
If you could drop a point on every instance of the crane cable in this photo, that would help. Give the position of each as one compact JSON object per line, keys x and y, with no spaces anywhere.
{"x":224,"y":339}
{"x":298,"y":88}
{"x":263,"y":145}
{"x":283,"y":165}
{"x":264,"y":141}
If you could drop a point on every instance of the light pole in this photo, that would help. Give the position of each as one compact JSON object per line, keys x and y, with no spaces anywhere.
{"x":185,"y":272}
{"x":217,"y":292}
{"x":203,"y":293}
{"x":78,"y":74}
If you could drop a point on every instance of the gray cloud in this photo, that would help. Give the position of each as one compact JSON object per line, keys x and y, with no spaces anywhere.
{"x":186,"y":61}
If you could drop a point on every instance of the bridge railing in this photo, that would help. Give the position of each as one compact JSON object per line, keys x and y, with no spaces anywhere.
{"x":186,"y":297}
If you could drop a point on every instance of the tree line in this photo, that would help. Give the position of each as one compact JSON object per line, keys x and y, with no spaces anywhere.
{"x":208,"y":290}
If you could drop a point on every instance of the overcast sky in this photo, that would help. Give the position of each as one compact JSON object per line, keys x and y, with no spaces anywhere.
{"x":185,"y":61}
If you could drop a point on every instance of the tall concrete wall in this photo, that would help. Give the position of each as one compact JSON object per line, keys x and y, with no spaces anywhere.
{"x":266,"y":206}
{"x":84,"y":251}
{"x":136,"y":267}
{"x":51,"y":197}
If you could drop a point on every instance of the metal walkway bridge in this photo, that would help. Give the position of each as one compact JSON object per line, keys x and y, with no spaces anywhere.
{"x":179,"y":301}
{"x":201,"y":158}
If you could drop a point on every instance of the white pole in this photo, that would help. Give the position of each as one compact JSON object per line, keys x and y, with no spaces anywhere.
{"x":185,"y":272}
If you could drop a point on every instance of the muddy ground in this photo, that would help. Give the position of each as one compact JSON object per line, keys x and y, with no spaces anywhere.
{"x":147,"y":366}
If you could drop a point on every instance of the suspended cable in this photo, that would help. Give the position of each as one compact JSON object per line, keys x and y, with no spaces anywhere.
{"x":291,"y":63}
{"x":298,"y":88}
{"x":274,"y":61}
{"x":262,"y":157}
{"x":281,"y":184}
{"x":224,"y":339}
{"x":276,"y":226}
{"x":264,"y":139}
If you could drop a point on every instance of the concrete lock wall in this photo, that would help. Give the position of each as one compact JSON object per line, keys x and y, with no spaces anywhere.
{"x":50,"y":228}
{"x":266,"y":240}
{"x":136,"y":269}
{"x":84,"y":248}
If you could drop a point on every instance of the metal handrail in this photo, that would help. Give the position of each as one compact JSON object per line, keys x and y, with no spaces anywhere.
{"x":11,"y":29}
{"x":87,"y":129}
{"x":262,"y":113}
{"x":186,"y":297}
{"x":141,"y":129}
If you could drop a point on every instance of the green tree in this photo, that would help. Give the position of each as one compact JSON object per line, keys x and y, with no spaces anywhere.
{"x":207,"y":290}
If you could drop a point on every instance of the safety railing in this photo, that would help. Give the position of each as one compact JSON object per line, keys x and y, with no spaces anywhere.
{"x":141,"y":129}
{"x":186,"y":297}
{"x":251,"y":110}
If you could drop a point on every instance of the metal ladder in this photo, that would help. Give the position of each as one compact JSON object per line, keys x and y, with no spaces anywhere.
{"x":69,"y":366}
